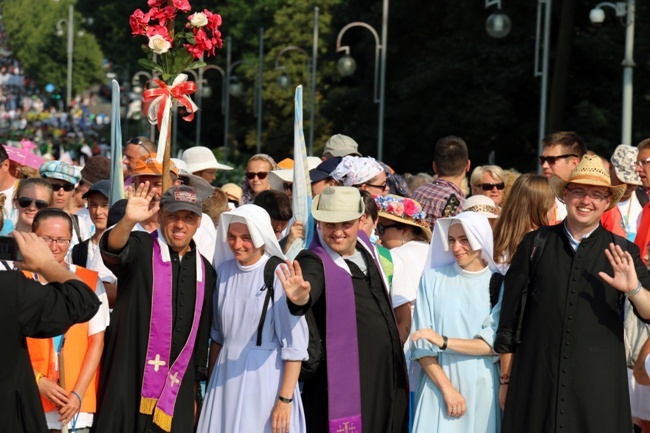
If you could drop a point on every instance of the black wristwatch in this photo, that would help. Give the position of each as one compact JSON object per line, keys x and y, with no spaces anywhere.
{"x":285,"y":400}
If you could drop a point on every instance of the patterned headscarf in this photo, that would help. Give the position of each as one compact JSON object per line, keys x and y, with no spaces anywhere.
{"x":354,"y":170}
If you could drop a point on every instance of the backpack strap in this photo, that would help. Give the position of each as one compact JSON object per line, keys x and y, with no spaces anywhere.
{"x":269,"y":274}
{"x":75,"y":224}
{"x":495,"y":288}
{"x":539,"y":242}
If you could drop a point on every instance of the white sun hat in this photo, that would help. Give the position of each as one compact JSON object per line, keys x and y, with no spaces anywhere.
{"x":201,"y":158}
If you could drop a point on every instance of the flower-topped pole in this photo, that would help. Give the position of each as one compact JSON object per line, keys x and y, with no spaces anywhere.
{"x":171,"y":51}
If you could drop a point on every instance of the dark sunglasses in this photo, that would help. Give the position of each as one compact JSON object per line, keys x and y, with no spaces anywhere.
{"x":27,"y":202}
{"x":66,"y":187}
{"x":260,"y":175}
{"x":491,"y":186}
{"x":287,"y":185}
{"x":383,"y":186}
{"x":381,"y":228}
{"x":553,"y":159}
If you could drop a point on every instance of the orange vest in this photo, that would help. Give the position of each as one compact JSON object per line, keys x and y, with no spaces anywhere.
{"x":41,"y":352}
{"x":643,"y":234}
{"x":611,"y":220}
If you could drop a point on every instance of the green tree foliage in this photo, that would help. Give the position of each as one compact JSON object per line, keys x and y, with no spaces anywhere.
{"x":31,"y":30}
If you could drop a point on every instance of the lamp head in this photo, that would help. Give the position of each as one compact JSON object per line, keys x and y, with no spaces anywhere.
{"x":346,"y":65}
{"x":597,"y":16}
{"x":498,"y":25}
{"x":283,"y":81}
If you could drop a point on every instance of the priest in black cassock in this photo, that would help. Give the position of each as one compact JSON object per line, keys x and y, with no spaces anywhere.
{"x":157,"y":345}
{"x":560,"y":333}
{"x":361,"y":385}
{"x":30,"y":309}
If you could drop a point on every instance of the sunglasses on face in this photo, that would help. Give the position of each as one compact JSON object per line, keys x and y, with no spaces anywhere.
{"x":67,"y":187}
{"x":260,"y":175}
{"x":491,"y":186}
{"x":287,"y":186}
{"x":25,"y":202}
{"x":553,"y":159}
{"x":383,"y":186}
{"x":381,"y":228}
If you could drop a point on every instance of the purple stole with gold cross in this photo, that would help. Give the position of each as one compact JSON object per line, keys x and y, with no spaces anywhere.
{"x":161,"y":382}
{"x":342,"y":348}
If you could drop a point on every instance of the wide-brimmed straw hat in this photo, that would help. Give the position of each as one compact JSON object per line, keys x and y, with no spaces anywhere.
{"x":590,"y":171}
{"x":404,"y":211}
{"x":337,"y":204}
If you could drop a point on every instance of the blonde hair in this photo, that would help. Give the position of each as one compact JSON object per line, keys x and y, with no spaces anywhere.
{"x":527,"y":209}
{"x":495,"y":171}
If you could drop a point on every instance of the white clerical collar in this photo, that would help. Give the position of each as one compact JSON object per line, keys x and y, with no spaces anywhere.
{"x":573,"y":241}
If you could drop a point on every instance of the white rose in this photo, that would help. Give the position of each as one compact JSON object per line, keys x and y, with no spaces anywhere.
{"x":159,"y":45}
{"x":199,"y":19}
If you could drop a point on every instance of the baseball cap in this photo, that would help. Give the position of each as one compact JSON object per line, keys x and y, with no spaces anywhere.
{"x":324,"y":169}
{"x":183,"y":197}
{"x":60,"y":170}
{"x":341,"y":145}
{"x":103,"y":187}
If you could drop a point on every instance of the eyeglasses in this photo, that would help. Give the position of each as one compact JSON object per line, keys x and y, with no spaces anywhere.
{"x":67,"y":187}
{"x":27,"y":202}
{"x":383,"y":186}
{"x":581,"y":193}
{"x":553,"y":159}
{"x":381,"y":228}
{"x":287,"y":185}
{"x":642,"y":163}
{"x":491,"y":186}
{"x":260,"y":175}
{"x":59,"y":242}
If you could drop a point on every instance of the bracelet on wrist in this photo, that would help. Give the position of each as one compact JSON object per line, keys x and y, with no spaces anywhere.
{"x":284,"y":399}
{"x":628,"y":295}
{"x":445,"y":340}
{"x":39,"y":376}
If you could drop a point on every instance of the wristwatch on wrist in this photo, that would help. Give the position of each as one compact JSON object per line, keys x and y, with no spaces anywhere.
{"x":628,"y":295}
{"x":285,"y":400}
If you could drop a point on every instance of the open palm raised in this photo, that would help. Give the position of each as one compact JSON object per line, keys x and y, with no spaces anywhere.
{"x":139,"y":199}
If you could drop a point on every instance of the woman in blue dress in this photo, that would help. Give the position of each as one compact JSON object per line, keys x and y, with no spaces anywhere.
{"x":456,"y":323}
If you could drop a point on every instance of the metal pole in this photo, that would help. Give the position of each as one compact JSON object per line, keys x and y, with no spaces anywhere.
{"x":314,"y":62}
{"x":382,"y":85}
{"x":628,"y":68}
{"x":543,"y":94}
{"x":70,"y":51}
{"x":199,"y":100}
{"x":226,"y":89}
{"x":260,"y":84}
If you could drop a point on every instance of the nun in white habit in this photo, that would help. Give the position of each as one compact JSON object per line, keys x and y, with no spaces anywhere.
{"x":252,"y":388}
{"x":453,"y":331}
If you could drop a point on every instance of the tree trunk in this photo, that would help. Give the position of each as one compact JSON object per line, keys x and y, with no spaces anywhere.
{"x":560,"y":78}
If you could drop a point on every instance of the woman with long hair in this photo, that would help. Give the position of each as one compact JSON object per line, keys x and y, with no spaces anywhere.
{"x":531,"y":205}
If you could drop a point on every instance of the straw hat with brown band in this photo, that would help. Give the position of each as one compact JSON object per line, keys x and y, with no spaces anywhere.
{"x":590,"y":171}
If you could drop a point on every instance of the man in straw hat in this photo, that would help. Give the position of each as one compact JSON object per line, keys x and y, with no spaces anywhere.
{"x":362,"y":379}
{"x":560,"y":333}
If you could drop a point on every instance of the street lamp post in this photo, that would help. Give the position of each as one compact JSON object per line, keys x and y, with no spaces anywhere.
{"x":70,"y":48}
{"x":544,"y":5}
{"x":498,"y":24}
{"x":597,"y":16}
{"x":347,"y":66}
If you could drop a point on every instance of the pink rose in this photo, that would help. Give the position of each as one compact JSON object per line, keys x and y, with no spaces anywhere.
{"x":182,"y":5}
{"x":158,"y":30}
{"x":139,"y":22}
{"x":396,"y":208}
{"x":155,"y":3}
{"x":410,"y":208}
{"x":163,"y":14}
